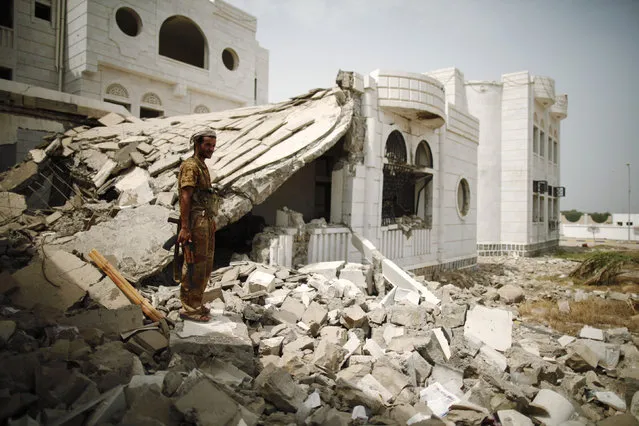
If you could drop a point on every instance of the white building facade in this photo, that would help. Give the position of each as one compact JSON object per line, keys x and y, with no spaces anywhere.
{"x":144,"y":58}
{"x":155,"y":57}
{"x":519,"y":185}
{"x":404,"y":177}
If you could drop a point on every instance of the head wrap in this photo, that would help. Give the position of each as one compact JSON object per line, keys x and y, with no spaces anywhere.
{"x":202,"y":134}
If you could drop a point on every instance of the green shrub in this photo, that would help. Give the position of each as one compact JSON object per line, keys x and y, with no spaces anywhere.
{"x":600,"y":217}
{"x":572,"y":215}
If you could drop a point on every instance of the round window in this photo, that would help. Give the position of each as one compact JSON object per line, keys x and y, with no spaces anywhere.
{"x":128,"y":21}
{"x":463,"y":197}
{"x":230,"y":59}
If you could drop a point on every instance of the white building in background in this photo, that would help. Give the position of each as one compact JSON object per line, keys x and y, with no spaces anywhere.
{"x":519,"y":185}
{"x":153,"y":57}
{"x":411,"y":151}
{"x":617,"y":227}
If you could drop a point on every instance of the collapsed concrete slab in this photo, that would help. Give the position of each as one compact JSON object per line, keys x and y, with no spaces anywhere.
{"x":490,"y":326}
{"x":134,"y":237}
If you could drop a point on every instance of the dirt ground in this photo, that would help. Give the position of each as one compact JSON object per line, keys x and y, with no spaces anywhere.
{"x":551,"y":296}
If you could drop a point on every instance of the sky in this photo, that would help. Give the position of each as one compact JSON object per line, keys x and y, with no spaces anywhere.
{"x":590,"y":48}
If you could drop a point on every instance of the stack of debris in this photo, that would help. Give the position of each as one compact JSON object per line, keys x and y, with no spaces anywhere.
{"x":313,"y":346}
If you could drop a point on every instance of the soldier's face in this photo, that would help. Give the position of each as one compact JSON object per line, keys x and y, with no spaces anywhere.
{"x":208,"y":146}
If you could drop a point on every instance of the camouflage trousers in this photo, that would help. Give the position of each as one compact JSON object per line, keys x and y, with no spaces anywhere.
{"x":192,"y":290}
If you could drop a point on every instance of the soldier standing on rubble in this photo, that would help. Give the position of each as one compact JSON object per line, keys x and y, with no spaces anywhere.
{"x":198,"y":208}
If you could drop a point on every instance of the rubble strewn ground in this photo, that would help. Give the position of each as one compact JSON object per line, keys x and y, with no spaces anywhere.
{"x":318,"y":346}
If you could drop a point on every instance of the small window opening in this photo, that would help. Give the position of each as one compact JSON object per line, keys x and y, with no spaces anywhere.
{"x":128,"y":21}
{"x":535,"y":212}
{"x":6,"y":13}
{"x":150,"y":113}
{"x":542,"y":143}
{"x":255,"y":90}
{"x":542,"y":209}
{"x":230,"y":59}
{"x":6,"y":73}
{"x":181,"y":39}
{"x":463,"y":197}
{"x":535,"y":140}
{"x":43,"y":11}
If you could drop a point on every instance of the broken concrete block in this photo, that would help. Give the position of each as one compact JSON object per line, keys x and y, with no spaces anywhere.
{"x":334,"y":334}
{"x":272,"y":346}
{"x":224,"y":337}
{"x":19,"y":177}
{"x":326,"y":269}
{"x":135,"y":237}
{"x":491,"y":326}
{"x":391,"y":331}
{"x":408,"y":315}
{"x":107,"y":320}
{"x":299,"y":344}
{"x":260,"y":281}
{"x":418,"y":368}
{"x":359,"y":413}
{"x":7,"y":328}
{"x":277,"y":386}
{"x":37,"y":155}
{"x":493,"y":358}
{"x":565,"y":340}
{"x":111,"y":119}
{"x":224,"y":373}
{"x":438,"y":399}
{"x":164,"y":164}
{"x":513,"y":418}
{"x":110,"y":365}
{"x":373,"y":349}
{"x":103,"y":174}
{"x":391,"y":379}
{"x":557,"y":408}
{"x":205,"y":404}
{"x":329,"y":356}
{"x":11,"y":206}
{"x":374,"y":389}
{"x":151,"y":341}
{"x":358,"y":274}
{"x":353,"y":317}
{"x":511,"y":293}
{"x":611,"y":399}
{"x":137,"y":158}
{"x":405,"y":295}
{"x":399,"y":278}
{"x":588,"y":332}
{"x":315,"y":316}
{"x":581,"y":357}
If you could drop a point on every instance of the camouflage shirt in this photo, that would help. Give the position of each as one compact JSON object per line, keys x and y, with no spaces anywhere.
{"x":194,"y":173}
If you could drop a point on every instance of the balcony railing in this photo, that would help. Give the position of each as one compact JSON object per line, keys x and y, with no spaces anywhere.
{"x":395,"y":245}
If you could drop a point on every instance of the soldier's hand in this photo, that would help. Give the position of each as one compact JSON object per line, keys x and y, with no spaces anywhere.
{"x":184,"y":236}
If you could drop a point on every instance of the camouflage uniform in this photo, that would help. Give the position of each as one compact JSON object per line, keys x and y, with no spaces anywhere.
{"x":194,"y":173}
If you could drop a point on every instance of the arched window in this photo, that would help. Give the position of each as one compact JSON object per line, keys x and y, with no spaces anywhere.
{"x":151,"y":106}
{"x":423,"y":155}
{"x":396,"y":148}
{"x":181,"y":39}
{"x":201,"y":109}
{"x":116,"y":93}
{"x":116,"y":89}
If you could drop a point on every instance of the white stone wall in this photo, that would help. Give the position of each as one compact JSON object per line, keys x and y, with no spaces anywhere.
{"x":510,"y":160}
{"x":33,"y":56}
{"x":484,"y":100}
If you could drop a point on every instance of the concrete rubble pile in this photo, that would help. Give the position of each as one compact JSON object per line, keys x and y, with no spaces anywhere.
{"x":89,"y":177}
{"x":317,"y":345}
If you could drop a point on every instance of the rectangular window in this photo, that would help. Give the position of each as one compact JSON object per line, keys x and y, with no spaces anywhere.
{"x":542,"y":143}
{"x":150,"y":113}
{"x":550,"y":149}
{"x":542,"y":209}
{"x":535,"y":208}
{"x":556,"y":213}
{"x":555,"y":152}
{"x":6,"y":13}
{"x":42,"y":10}
{"x":535,"y":140}
{"x":6,"y":73}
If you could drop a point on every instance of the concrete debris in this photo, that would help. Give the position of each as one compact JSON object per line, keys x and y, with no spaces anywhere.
{"x":315,"y":345}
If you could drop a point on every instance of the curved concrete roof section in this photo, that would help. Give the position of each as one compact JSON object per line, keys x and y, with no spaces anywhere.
{"x":258,"y":148}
